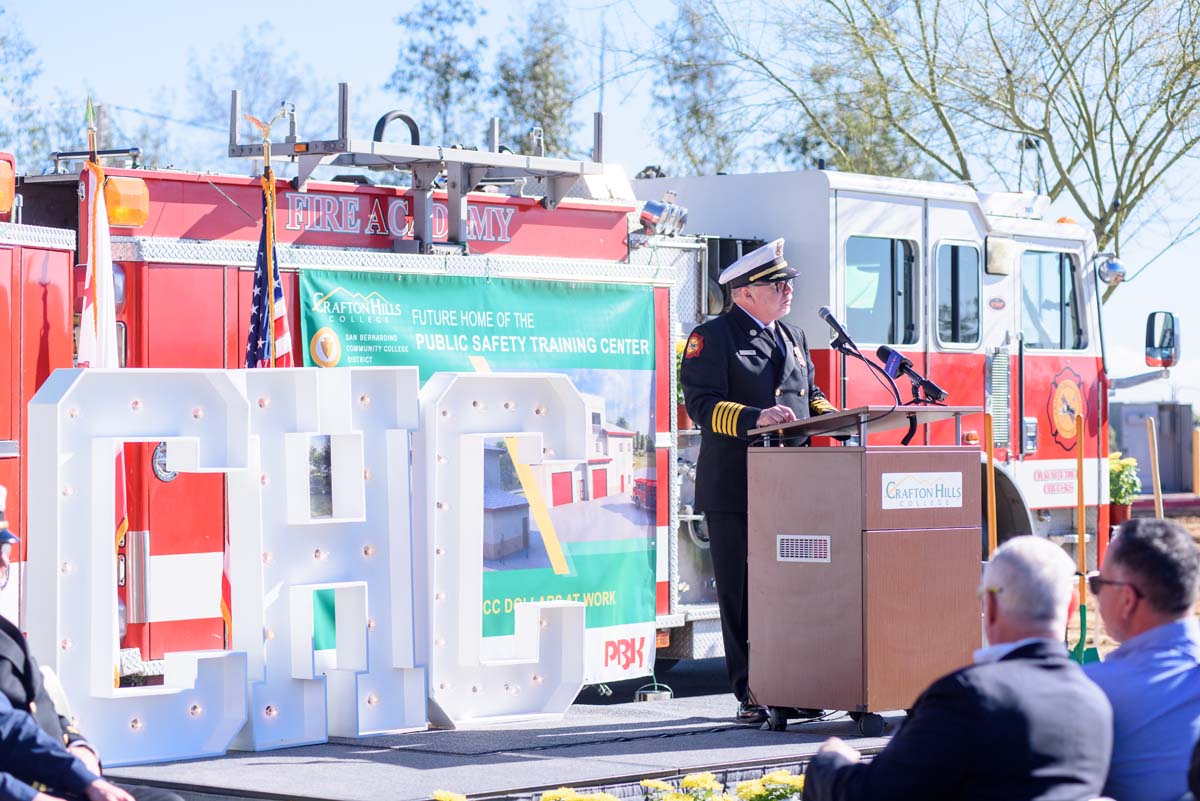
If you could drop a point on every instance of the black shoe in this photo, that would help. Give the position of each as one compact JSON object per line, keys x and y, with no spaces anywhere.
{"x":751,"y":714}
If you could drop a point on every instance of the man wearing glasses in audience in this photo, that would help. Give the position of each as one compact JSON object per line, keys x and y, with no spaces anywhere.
{"x":744,"y":370}
{"x":1146,"y":591}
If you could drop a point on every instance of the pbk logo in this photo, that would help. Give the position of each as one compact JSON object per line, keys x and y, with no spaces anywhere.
{"x":625,"y":652}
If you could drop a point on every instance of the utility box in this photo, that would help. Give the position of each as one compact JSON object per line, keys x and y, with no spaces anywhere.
{"x":1173,"y":423}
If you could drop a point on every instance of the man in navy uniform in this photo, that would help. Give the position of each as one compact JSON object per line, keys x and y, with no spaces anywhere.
{"x":743,"y":370}
{"x":23,"y":687}
{"x":30,"y":758}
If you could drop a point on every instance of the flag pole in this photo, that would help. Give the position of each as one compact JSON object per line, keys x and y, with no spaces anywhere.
{"x":268,"y":185}
{"x":91,"y":131}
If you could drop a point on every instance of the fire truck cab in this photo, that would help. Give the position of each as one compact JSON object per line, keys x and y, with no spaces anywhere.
{"x":990,"y":299}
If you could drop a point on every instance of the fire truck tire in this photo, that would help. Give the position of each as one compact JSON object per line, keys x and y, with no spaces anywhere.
{"x":776,"y":719}
{"x":637,"y":501}
{"x":871,"y":725}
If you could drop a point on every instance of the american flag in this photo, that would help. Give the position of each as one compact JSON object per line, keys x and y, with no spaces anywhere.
{"x":269,"y":343}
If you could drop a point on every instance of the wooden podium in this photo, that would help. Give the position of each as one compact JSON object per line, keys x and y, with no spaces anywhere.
{"x":863,"y":566}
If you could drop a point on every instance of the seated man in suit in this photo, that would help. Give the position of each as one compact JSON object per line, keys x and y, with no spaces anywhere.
{"x":1022,"y":723}
{"x":29,"y":757}
{"x":1147,"y":589}
{"x":22,"y":686}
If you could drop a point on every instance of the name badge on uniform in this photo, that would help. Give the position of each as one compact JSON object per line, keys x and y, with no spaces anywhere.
{"x":798,"y":354}
{"x":750,"y":352}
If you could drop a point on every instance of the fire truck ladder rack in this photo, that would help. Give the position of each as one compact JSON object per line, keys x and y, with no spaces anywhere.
{"x":464,"y":168}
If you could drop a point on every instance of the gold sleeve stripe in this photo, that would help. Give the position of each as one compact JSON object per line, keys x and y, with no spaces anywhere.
{"x":718,"y":417}
{"x":821,"y":406}
{"x":735,"y":409}
{"x":724,"y":418}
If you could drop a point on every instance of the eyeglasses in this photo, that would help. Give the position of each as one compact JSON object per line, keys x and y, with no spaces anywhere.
{"x":1096,"y":583}
{"x":784,"y":286}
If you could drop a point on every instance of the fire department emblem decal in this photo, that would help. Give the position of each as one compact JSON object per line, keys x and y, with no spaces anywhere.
{"x":1066,"y":399}
{"x":694,"y":346}
{"x":325,"y":348}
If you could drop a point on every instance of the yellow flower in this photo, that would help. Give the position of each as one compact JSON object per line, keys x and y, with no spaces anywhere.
{"x":748,"y":791}
{"x":777,"y":776}
{"x":701,"y":781}
{"x":446,"y":795}
{"x":561,"y":794}
{"x":677,"y":796}
{"x":656,"y":784}
{"x":795,"y":782}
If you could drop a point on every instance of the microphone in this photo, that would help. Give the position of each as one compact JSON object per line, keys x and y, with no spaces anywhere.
{"x":842,"y":336}
{"x":895,"y":364}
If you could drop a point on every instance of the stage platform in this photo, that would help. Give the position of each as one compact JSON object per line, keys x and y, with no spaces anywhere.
{"x":606,"y":743}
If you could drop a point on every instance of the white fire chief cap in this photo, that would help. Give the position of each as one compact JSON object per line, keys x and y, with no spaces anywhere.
{"x":764,"y":265}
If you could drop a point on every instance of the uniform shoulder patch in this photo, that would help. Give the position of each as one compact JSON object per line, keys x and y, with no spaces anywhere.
{"x":695,"y":344}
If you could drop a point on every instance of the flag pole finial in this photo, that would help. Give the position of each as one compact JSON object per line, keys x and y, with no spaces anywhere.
{"x":91,"y":130}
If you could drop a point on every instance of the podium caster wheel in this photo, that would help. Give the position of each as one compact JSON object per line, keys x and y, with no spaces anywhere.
{"x":856,"y":716}
{"x":776,"y":719}
{"x":871,"y":725}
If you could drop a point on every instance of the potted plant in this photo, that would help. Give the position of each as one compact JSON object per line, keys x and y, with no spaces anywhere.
{"x":1123,"y":486}
{"x":682,"y":421}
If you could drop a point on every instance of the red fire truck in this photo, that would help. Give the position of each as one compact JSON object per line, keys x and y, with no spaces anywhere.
{"x":997,"y":305}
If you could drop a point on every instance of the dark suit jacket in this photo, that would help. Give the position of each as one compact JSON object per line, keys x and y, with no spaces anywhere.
{"x":731,"y":371}
{"x":21,"y":684}
{"x":28,"y":755}
{"x":1031,"y":726}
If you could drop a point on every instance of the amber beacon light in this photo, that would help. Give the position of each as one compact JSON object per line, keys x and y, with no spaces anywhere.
{"x":8,"y":186}
{"x":127,"y":200}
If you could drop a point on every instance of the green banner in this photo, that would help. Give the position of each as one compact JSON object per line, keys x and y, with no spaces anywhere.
{"x":439,"y":322}
{"x":601,"y":336}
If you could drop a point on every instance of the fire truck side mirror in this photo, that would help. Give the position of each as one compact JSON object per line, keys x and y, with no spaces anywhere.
{"x":1109,"y":269}
{"x":1162,"y":339}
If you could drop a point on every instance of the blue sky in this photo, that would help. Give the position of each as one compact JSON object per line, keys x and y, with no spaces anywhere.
{"x":141,"y":62}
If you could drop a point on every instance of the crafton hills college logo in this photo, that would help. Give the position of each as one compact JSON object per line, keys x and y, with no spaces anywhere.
{"x":1066,"y":399}
{"x":325,"y":347}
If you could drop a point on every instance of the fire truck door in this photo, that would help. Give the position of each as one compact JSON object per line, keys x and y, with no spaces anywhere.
{"x":956,"y":312}
{"x":1058,"y":378}
{"x":44,"y":338}
{"x":185,"y":327}
{"x":880,"y":242}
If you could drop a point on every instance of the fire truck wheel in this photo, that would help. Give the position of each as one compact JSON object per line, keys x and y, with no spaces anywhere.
{"x":871,"y":725}
{"x":776,"y":719}
{"x":637,"y":501}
